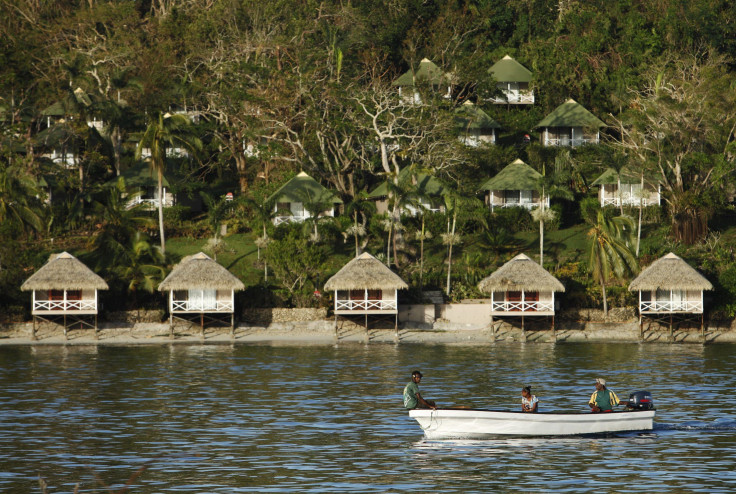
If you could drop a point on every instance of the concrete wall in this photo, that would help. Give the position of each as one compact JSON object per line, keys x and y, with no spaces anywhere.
{"x":268,"y":316}
{"x":417,"y":313}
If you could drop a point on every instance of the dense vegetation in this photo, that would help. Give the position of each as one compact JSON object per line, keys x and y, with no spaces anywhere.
{"x":284,"y":85}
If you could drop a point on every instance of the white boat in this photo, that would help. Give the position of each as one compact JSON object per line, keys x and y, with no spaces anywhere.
{"x":478,"y":424}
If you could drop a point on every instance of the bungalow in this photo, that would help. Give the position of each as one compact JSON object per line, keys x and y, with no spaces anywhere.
{"x":294,"y":200}
{"x":570,"y":124}
{"x":428,"y":190}
{"x":474,"y":125}
{"x":64,"y":289}
{"x":670,"y":287}
{"x":202,"y":288}
{"x":521,"y":287}
{"x":626,"y":189}
{"x":365,"y":286}
{"x":427,"y":74}
{"x":141,"y":181}
{"x":59,"y":144}
{"x":514,"y":186}
{"x":69,"y":106}
{"x":512,"y":80}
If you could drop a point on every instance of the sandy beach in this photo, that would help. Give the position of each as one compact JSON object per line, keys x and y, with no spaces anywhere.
{"x":323,"y":333}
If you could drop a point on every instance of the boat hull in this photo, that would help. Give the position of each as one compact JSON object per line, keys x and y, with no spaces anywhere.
{"x":448,"y":423}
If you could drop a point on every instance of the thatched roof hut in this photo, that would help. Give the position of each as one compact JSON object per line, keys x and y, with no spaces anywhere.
{"x":509,"y":70}
{"x":199,"y":271}
{"x":516,"y":176}
{"x":365,"y":272}
{"x":670,"y":273}
{"x":64,"y":272}
{"x":571,"y":114}
{"x":521,"y":274}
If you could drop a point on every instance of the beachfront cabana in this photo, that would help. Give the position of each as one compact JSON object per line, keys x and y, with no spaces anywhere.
{"x":514,"y":186}
{"x":291,"y":200}
{"x":670,"y":290}
{"x":520,"y":288}
{"x":367,"y":287}
{"x":429,"y":74}
{"x":570,"y":124}
{"x":474,"y":126}
{"x":512,"y":80}
{"x":64,"y":291}
{"x":615,"y":189}
{"x":141,"y":182}
{"x":201,"y":290}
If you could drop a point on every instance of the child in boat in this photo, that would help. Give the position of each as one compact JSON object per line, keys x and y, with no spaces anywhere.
{"x":529,"y":402}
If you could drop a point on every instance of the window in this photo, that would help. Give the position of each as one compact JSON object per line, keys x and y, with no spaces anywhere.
{"x":374,"y":295}
{"x":512,"y":196}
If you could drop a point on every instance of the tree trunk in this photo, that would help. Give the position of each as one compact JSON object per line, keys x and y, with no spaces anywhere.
{"x":355,"y":234}
{"x":421,"y":257}
{"x":641,"y":208}
{"x":388,"y":246}
{"x":449,"y":254}
{"x":161,"y":209}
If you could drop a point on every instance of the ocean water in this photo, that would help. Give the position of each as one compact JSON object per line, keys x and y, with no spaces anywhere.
{"x":248,"y":418}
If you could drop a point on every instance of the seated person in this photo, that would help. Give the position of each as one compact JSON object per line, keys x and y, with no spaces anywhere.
{"x":412,"y":397}
{"x":529,"y":402}
{"x":603,"y":400}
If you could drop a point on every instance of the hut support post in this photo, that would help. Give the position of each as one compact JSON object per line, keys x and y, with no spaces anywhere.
{"x":672,"y":331}
{"x":493,"y":326}
{"x":65,"y":335}
{"x":33,"y":329}
{"x":171,"y":314}
{"x":201,"y":324}
{"x":232,"y":325}
{"x":96,"y":336}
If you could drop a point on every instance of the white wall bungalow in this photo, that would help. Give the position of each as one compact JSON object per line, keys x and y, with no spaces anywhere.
{"x":292,"y":201}
{"x":427,"y":74}
{"x":65,"y":289}
{"x":570,"y":124}
{"x":626,"y":188}
{"x":365,"y":286}
{"x":516,"y":186}
{"x":199,"y":286}
{"x":512,"y":80}
{"x":521,"y":287}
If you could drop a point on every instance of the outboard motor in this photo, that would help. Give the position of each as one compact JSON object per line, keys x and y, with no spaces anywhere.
{"x":640,"y":400}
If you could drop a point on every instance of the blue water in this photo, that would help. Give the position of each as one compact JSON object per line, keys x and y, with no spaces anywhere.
{"x":222,"y":419}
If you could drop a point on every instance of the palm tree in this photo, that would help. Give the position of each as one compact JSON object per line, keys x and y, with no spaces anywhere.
{"x":17,"y":203}
{"x":217,"y":211}
{"x":454,"y":203}
{"x":359,"y":207}
{"x":610,"y":251}
{"x":261,"y":212}
{"x":165,"y":131}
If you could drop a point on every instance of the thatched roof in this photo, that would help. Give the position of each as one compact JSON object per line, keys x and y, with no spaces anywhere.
{"x":64,"y":272}
{"x":423,"y":183}
{"x":509,"y":70}
{"x":365,"y":272}
{"x":470,"y":117}
{"x":428,"y":72}
{"x":140,"y":175}
{"x":571,"y":114}
{"x":304,"y":188}
{"x":516,"y":176}
{"x":520,"y":273}
{"x":670,"y":273}
{"x":628,"y":176}
{"x":199,"y":271}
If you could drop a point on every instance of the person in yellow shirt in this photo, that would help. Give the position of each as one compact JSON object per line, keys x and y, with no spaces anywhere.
{"x":603,"y":400}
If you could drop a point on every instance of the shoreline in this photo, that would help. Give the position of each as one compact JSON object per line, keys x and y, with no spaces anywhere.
{"x":323,"y":333}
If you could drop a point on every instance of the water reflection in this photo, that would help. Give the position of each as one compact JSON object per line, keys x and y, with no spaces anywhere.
{"x":328,"y":418}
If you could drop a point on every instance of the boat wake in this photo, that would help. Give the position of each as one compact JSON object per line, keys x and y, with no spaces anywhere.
{"x":720,"y":425}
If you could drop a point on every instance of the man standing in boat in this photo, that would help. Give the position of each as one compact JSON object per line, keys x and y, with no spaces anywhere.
{"x":412,"y":397}
{"x":603,"y":400}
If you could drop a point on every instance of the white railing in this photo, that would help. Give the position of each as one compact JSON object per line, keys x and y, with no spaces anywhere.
{"x":525,"y":306}
{"x":148,"y":203}
{"x":671,"y":306}
{"x":526,"y":205}
{"x":289,"y":219}
{"x":628,"y":201}
{"x":201,"y":306}
{"x":511,"y":96}
{"x":567,"y":141}
{"x":366,"y":305}
{"x":65,"y":305}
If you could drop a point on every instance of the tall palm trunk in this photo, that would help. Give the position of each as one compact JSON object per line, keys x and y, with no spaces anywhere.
{"x":541,"y":229}
{"x":421,"y":257}
{"x":603,"y":288}
{"x":641,"y":208}
{"x":355,"y":233}
{"x":161,"y":209}
{"x":449,"y":254}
